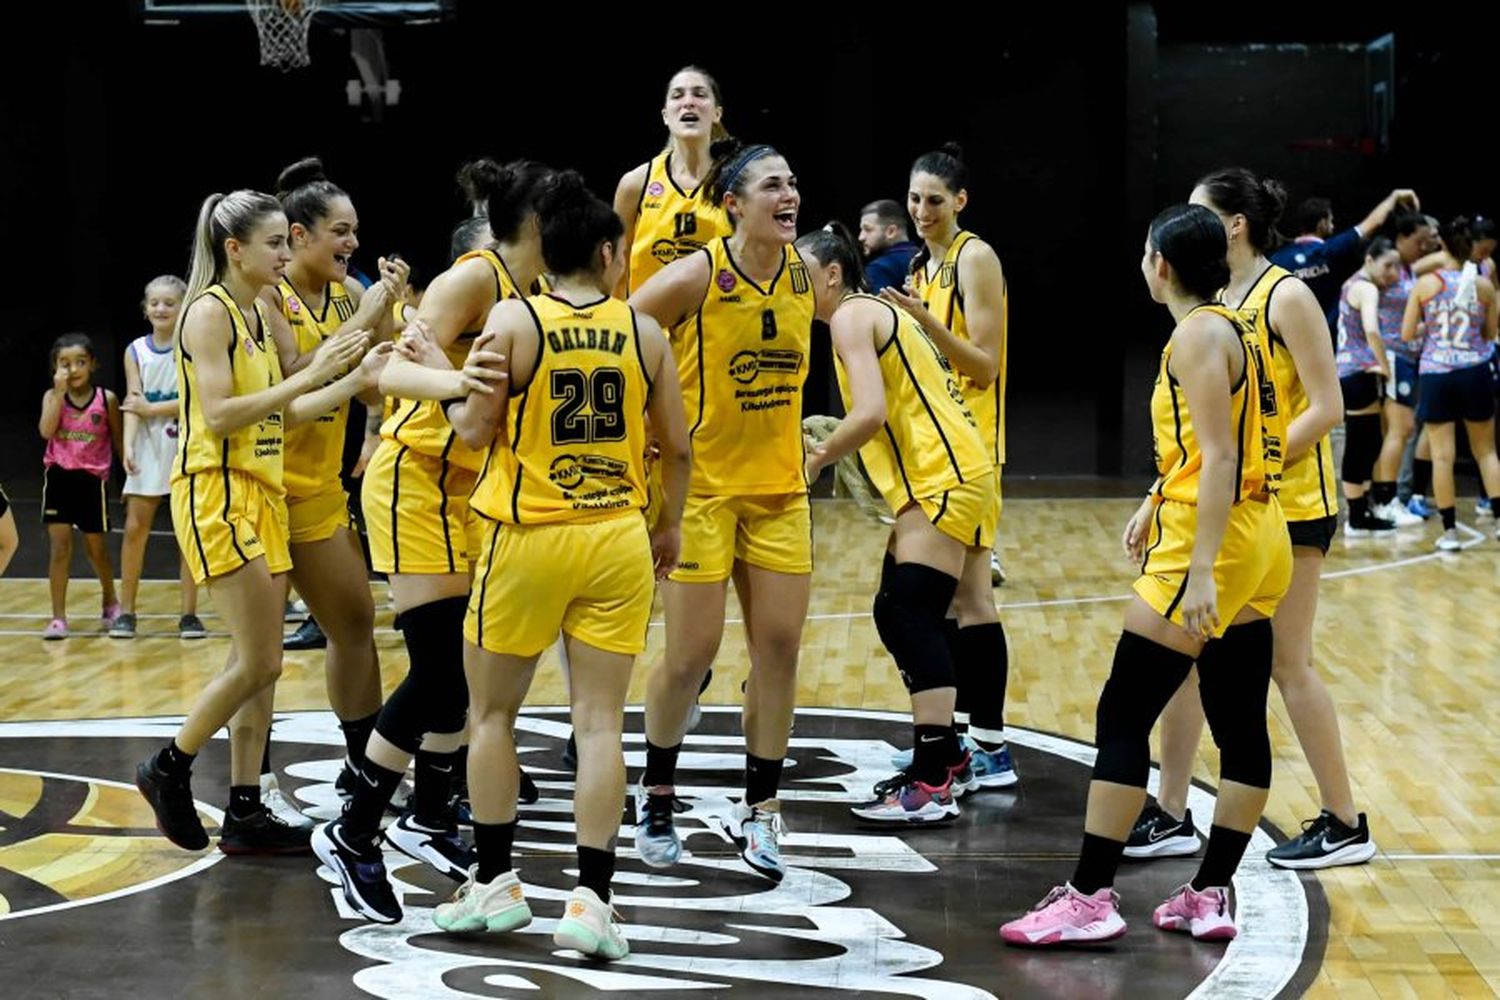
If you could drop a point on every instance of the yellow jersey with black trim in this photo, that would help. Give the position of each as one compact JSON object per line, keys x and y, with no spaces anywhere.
{"x":420,"y":424}
{"x":314,"y":453}
{"x":670,"y":223}
{"x":1255,"y":413}
{"x":930,"y":443}
{"x":941,"y":294}
{"x":742,"y":360}
{"x":253,"y":366}
{"x":572,"y":448}
{"x":1308,"y":482}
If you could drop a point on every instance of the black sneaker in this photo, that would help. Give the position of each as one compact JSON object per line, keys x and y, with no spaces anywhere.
{"x":307,"y":636}
{"x":171,"y":798}
{"x":360,"y":869}
{"x":570,"y":754}
{"x":440,"y":847}
{"x":123,"y":627}
{"x":1324,"y":843}
{"x":1157,"y":835}
{"x":191,"y":627}
{"x":1369,"y":524}
{"x":528,"y":793}
{"x":262,"y":832}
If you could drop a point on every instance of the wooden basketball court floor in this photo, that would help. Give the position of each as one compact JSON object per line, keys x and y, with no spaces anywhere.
{"x":1405,"y":639}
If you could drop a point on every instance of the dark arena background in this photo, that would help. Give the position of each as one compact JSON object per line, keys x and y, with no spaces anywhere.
{"x":118,"y":117}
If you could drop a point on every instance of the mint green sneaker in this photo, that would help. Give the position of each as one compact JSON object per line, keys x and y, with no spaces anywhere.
{"x":484,"y":906}
{"x":591,"y":926}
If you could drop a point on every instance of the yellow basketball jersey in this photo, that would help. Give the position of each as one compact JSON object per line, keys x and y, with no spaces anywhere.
{"x":253,"y":366}
{"x":1255,"y":414}
{"x":742,"y":360}
{"x":930,"y":443}
{"x":941,"y":295}
{"x":670,"y":222}
{"x":573,"y":445}
{"x":1308,"y":482}
{"x":315,"y":450}
{"x":420,"y":424}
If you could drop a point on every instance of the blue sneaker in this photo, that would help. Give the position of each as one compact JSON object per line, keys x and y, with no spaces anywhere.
{"x":993,"y":769}
{"x":1482,"y":508}
{"x":757,"y":831}
{"x":1419,"y":506}
{"x":656,"y":837}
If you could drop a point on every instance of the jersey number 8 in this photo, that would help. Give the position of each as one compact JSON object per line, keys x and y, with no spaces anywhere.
{"x":602,"y":393}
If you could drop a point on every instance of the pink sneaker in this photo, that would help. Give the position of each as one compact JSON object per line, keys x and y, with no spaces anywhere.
{"x":1203,"y":914}
{"x":1067,"y":916}
{"x":110,"y":613}
{"x":57,"y":628}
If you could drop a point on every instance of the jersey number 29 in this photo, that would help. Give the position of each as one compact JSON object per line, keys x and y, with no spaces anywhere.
{"x":602,"y":393}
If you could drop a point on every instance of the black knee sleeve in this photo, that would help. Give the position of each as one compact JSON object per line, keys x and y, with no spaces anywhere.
{"x":434,"y":697}
{"x":909,"y":612}
{"x":1234,"y":677}
{"x":1362,"y":440}
{"x":981,"y":661}
{"x":1142,"y":680}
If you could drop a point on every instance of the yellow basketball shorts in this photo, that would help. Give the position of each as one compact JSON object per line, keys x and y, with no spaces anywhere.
{"x":224,"y":519}
{"x":1253,"y":569}
{"x":966,"y":513}
{"x":593,"y":581}
{"x":318,"y":517}
{"x":417,"y":514}
{"x":770,"y":532}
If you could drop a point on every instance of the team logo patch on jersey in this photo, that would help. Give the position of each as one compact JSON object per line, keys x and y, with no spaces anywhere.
{"x":293,"y":304}
{"x":249,"y":347}
{"x":800,"y":283}
{"x":726,"y":281}
{"x":746,"y":366}
{"x":664,"y":251}
{"x":94,"y":419}
{"x":656,"y":190}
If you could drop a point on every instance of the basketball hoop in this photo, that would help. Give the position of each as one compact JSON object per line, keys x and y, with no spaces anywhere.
{"x":282,"y":26}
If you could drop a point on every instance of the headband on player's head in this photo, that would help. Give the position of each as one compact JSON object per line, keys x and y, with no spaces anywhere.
{"x":737,"y":166}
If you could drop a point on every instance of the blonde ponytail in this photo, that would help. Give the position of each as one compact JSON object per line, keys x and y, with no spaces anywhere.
{"x":221,"y":217}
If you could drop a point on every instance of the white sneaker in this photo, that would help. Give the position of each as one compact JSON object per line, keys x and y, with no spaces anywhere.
{"x":1448,"y":541}
{"x":757,"y":831}
{"x":1397,"y":512}
{"x":499,"y":905}
{"x":296,"y":611}
{"x":591,"y":926}
{"x":280,"y":806}
{"x":997,"y":571}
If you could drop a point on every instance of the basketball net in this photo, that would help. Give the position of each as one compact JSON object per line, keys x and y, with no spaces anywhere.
{"x":282,"y":26}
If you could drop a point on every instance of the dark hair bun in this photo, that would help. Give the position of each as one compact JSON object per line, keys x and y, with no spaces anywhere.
{"x":307,"y":170}
{"x":574,"y":221}
{"x":952,"y":149}
{"x":725,"y":148}
{"x":564,"y":190}
{"x":484,"y":179}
